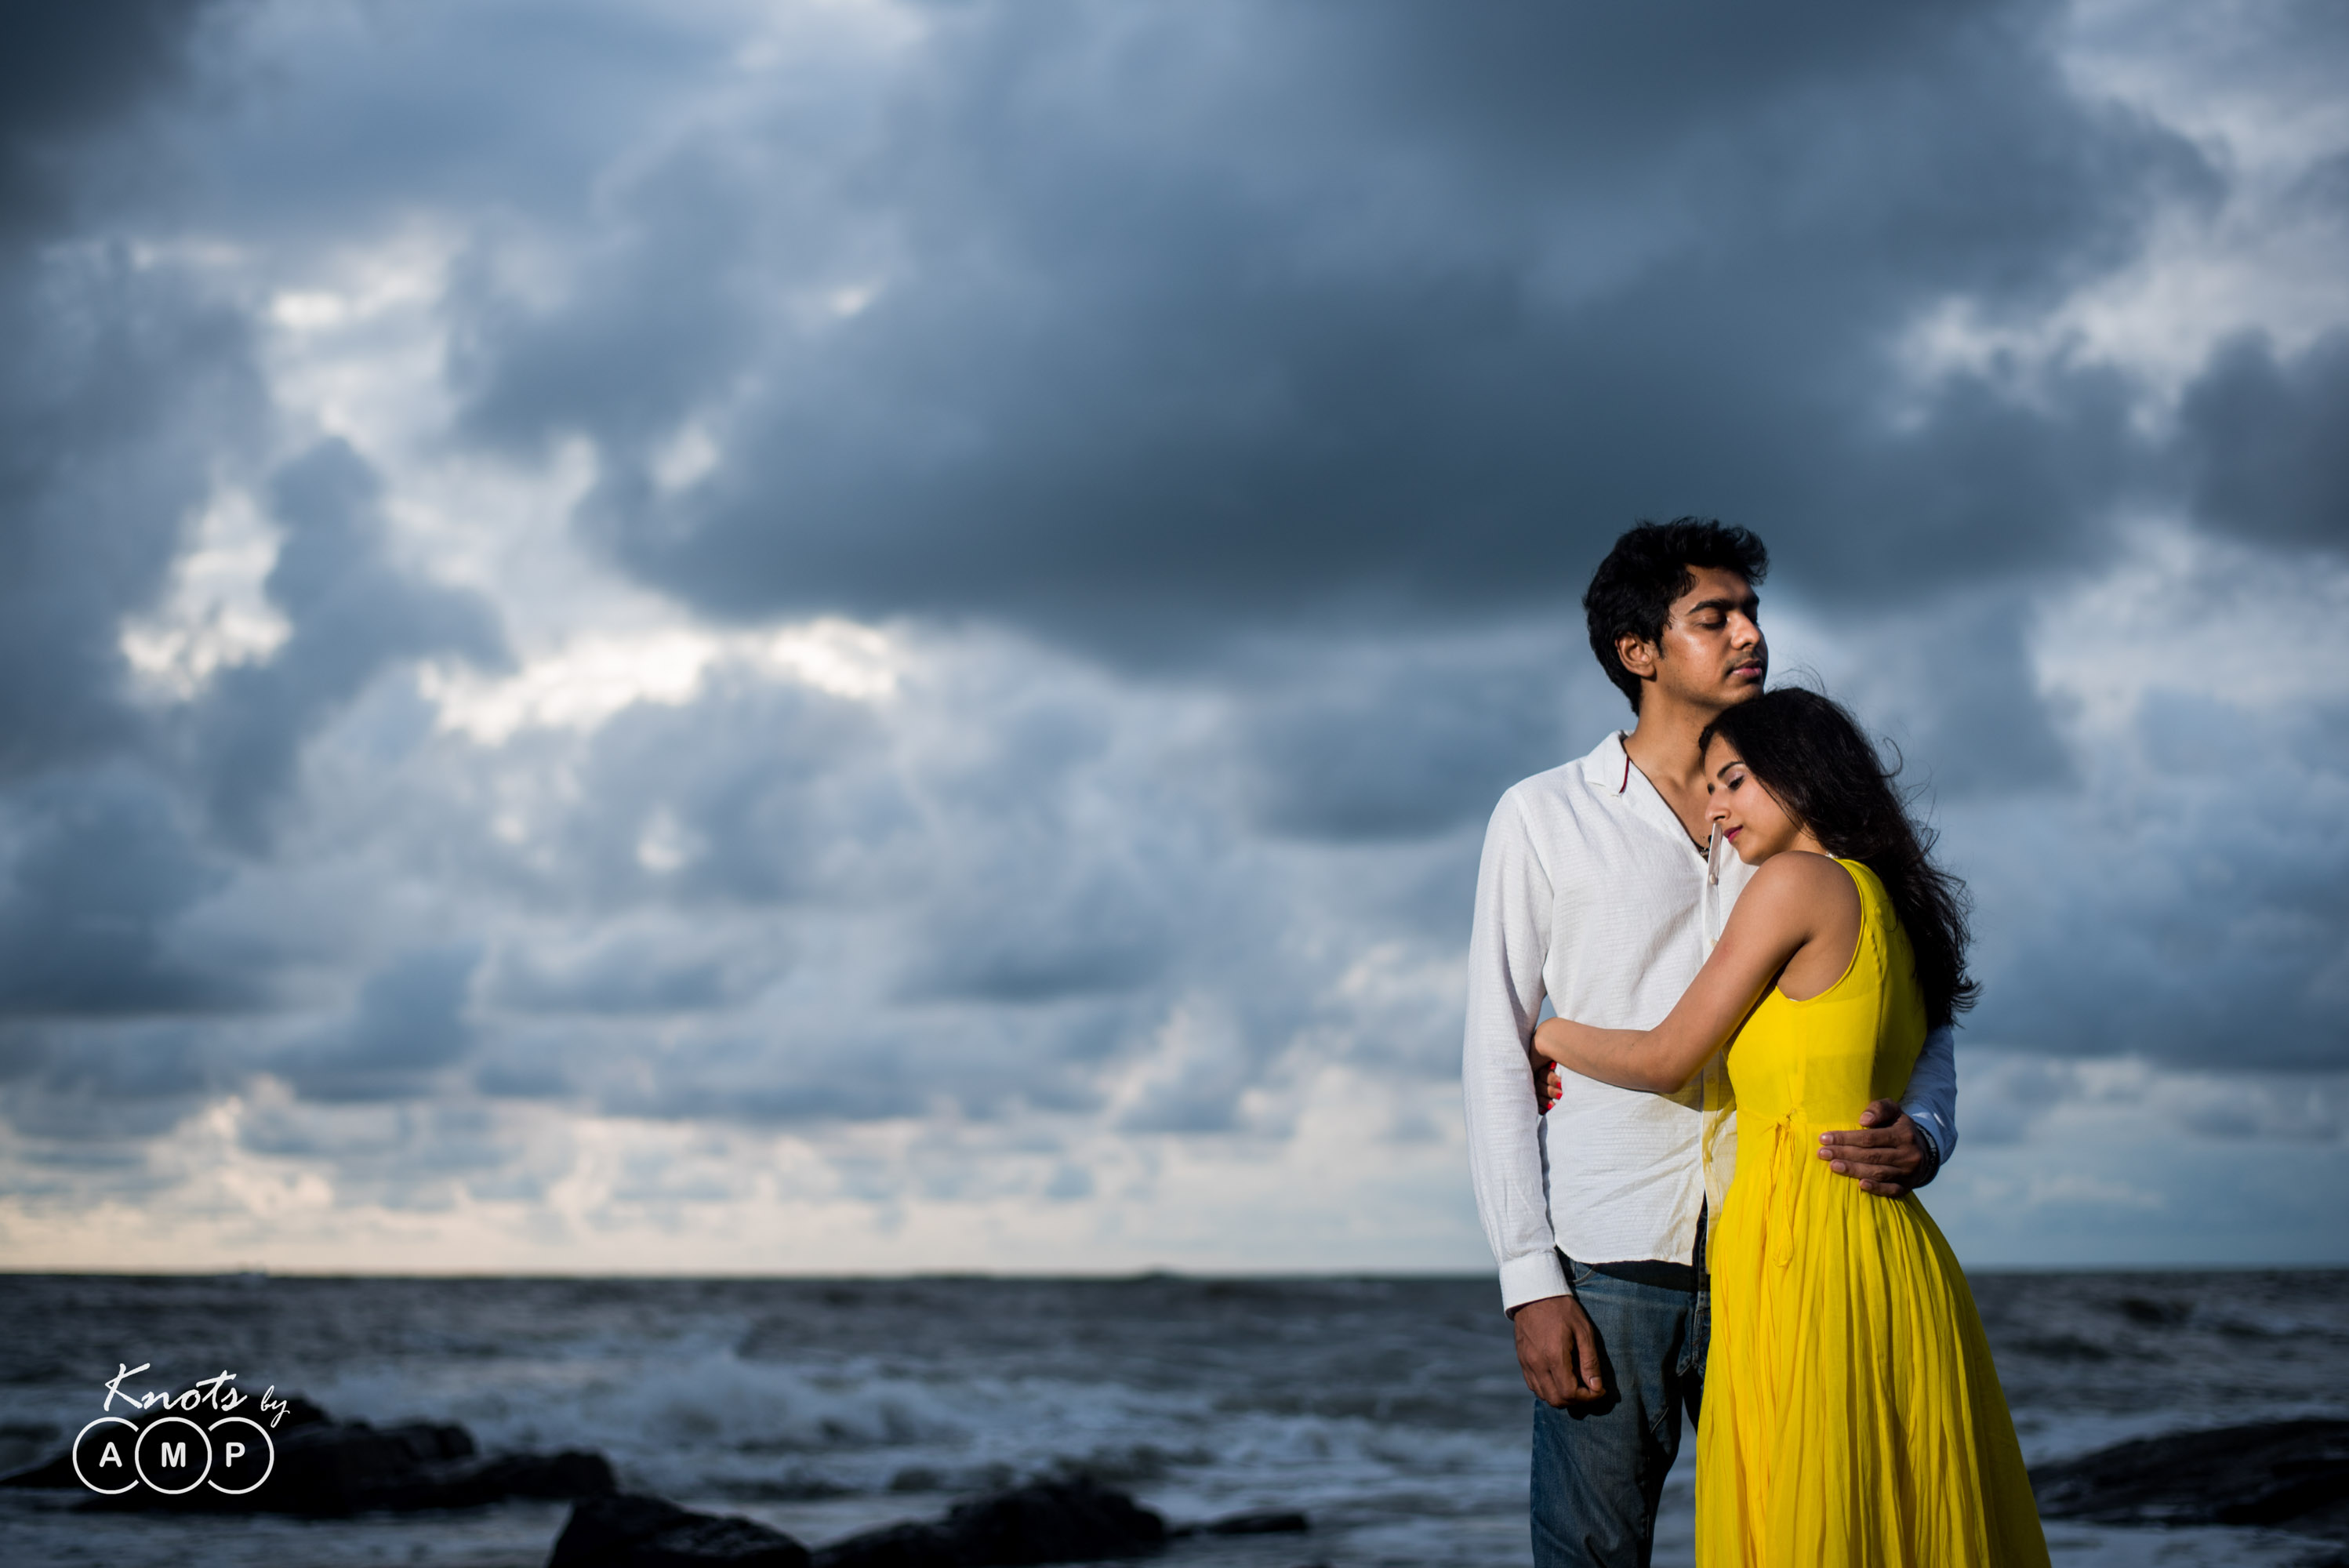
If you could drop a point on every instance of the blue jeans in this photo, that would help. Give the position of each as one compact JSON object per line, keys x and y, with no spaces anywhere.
{"x":1599,"y":1468}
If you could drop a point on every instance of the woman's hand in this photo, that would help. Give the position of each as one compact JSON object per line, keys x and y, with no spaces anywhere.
{"x":1554,"y":1042}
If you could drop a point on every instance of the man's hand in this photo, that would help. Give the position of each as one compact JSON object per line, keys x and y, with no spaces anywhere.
{"x":1558,"y":1350}
{"x":1886,"y":1157}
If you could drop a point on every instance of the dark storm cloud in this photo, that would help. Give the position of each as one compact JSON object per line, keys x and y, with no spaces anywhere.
{"x":762,"y":793}
{"x":121,"y":382}
{"x":120,"y":389}
{"x":1002,"y":859}
{"x":1009,"y":915}
{"x":402,"y":1156}
{"x":102,"y":865}
{"x":2271,"y":441}
{"x":1092,"y":931}
{"x":848,"y":1073}
{"x":352,"y":612}
{"x":2203,"y":926}
{"x":82,"y":1090}
{"x":123,"y":386}
{"x":1953,"y":694}
{"x":409,"y":1024}
{"x":1402,"y":749}
{"x":620,"y":975}
{"x":531,"y":377}
{"x":1177,"y":331}
{"x":1385,"y":308}
{"x":67,"y":72}
{"x":528,"y":1063}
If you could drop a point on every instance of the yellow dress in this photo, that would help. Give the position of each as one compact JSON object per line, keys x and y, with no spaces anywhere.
{"x":1851,"y":1414}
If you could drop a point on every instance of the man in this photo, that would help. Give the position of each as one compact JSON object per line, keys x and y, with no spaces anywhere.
{"x":1601,"y":891}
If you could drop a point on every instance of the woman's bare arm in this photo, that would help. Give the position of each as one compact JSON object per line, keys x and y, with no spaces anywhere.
{"x":1792,"y":900}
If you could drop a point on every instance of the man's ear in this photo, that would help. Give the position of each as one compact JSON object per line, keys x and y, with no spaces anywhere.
{"x":1639,"y":656}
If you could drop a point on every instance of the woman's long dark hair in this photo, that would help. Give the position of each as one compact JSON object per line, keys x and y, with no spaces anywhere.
{"x":1806,"y":751}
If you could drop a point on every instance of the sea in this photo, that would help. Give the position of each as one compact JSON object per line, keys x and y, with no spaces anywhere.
{"x":1388,"y":1410}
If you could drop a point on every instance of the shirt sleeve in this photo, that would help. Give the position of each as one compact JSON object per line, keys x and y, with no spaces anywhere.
{"x":1506,"y":953}
{"x":1931,"y":1101}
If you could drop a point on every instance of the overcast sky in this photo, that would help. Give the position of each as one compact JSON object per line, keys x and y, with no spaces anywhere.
{"x":848,"y":635}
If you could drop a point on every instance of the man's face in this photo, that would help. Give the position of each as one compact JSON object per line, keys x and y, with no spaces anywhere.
{"x":1711,"y":654}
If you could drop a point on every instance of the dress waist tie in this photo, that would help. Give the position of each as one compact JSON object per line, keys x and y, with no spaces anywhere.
{"x":1780,"y":1189}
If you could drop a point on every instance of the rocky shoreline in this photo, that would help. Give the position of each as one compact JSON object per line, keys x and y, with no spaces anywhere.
{"x":2291,"y":1475}
{"x":325,"y":1468}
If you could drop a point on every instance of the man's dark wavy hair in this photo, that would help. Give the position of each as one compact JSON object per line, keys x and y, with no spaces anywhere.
{"x":1808,"y":753}
{"x":1633,"y":589}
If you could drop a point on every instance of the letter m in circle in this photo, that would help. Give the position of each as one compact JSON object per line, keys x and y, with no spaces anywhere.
{"x":175,"y":1453}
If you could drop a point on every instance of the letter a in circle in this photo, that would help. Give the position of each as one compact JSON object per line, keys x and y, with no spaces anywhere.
{"x":93,"y":1470}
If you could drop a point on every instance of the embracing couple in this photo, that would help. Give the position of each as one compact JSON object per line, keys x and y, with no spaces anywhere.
{"x":1700,"y":1192}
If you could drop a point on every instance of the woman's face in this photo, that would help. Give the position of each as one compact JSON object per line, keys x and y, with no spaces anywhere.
{"x":1742,"y":811}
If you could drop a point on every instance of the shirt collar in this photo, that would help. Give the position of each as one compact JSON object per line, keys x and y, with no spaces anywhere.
{"x":1607,"y":768}
{"x":1609,"y":765}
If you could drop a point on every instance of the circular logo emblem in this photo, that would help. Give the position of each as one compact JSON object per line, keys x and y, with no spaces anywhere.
{"x":171,"y":1444}
{"x":109,"y":1457}
{"x":244,"y":1454}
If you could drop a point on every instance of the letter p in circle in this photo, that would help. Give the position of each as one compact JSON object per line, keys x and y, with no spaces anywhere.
{"x":244,"y":1459}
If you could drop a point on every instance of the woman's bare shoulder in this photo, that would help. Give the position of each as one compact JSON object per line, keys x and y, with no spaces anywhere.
{"x":1798,"y":876}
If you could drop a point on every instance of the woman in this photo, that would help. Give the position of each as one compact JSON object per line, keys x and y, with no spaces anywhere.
{"x":1851,"y":1414}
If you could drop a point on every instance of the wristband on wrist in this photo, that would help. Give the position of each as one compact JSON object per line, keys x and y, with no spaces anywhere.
{"x":1932,"y":1154}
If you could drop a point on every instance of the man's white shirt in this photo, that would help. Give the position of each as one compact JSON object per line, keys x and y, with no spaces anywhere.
{"x":1592,"y":896}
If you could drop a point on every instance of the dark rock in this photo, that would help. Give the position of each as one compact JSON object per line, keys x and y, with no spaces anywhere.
{"x":894,"y":1546}
{"x":2287,"y":1475}
{"x":624,"y":1530}
{"x":2155,"y":1314}
{"x":599,"y":1528}
{"x":1262,"y":1521}
{"x":1054,"y":1521}
{"x":1266,"y":1521}
{"x":333,"y":1468}
{"x":1065,"y":1520}
{"x":326,"y":1468}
